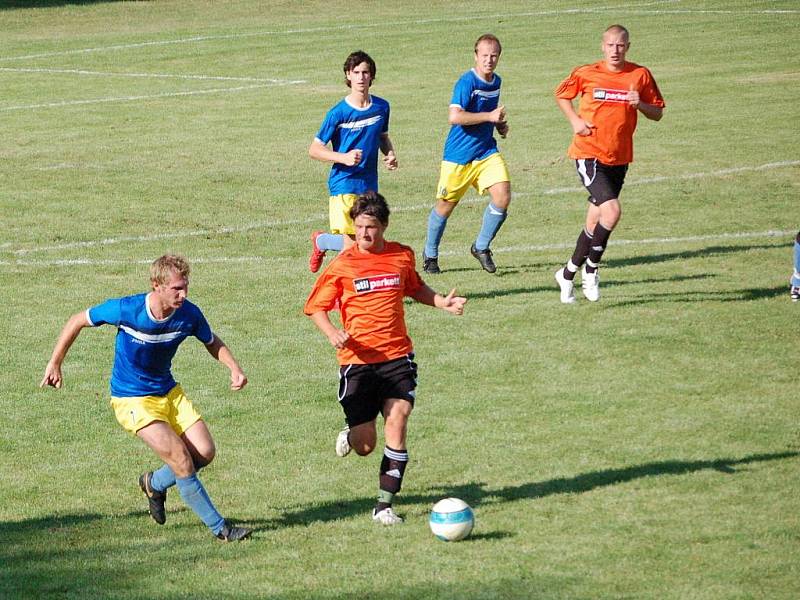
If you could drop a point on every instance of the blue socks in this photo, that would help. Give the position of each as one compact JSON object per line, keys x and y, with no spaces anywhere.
{"x":195,"y":496}
{"x":330,"y":241}
{"x":796,"y":274}
{"x":436,"y":225}
{"x":162,"y":479}
{"x":493,"y":219}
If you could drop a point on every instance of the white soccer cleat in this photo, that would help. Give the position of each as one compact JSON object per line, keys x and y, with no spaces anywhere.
{"x":567,"y":287}
{"x":342,"y":443}
{"x":386,"y":517}
{"x":590,"y":284}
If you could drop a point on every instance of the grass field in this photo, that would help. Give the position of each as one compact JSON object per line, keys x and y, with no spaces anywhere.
{"x":646,"y":446}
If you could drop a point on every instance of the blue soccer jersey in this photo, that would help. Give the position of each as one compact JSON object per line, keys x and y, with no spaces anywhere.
{"x":349,"y":128}
{"x":473,"y":142}
{"x":145,"y":345}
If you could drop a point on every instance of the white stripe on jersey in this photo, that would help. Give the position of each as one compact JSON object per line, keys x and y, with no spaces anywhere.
{"x":485,"y":94}
{"x":149,"y":337}
{"x":361,"y":123}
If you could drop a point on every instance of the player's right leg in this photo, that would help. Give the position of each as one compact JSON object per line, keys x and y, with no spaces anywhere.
{"x":341,"y":226}
{"x":454,"y":180}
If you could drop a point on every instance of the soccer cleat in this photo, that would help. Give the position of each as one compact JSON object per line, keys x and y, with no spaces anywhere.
{"x":590,"y":285}
{"x":485,"y":258}
{"x":430,"y":264}
{"x":155,"y":499}
{"x":567,"y":287}
{"x":231,"y":533}
{"x":343,"y":443}
{"x":794,"y":292}
{"x":317,"y":255}
{"x":386,"y":517}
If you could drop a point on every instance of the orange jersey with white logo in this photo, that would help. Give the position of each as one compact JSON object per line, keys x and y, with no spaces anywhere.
{"x":370,"y":288}
{"x":604,"y":104}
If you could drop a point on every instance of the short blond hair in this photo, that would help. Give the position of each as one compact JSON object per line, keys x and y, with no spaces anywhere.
{"x":163,"y":267}
{"x":489,"y":37}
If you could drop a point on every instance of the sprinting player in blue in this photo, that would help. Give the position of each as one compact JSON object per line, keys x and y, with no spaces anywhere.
{"x":471,"y":157}
{"x":794,"y":283}
{"x":146,"y":399}
{"x":356,"y":128}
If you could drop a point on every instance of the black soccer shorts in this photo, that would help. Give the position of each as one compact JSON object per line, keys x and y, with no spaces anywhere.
{"x":364,"y":388}
{"x":604,"y":182}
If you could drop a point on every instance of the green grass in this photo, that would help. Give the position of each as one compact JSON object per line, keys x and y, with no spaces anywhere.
{"x":642,"y":447}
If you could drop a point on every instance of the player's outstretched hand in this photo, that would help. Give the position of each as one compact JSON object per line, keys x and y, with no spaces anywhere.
{"x":338,"y":339}
{"x":454,"y":304}
{"x":390,"y":161}
{"x":238,"y":380}
{"x":52,"y":376}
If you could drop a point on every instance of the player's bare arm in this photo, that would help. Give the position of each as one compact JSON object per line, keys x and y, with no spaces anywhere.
{"x":337,"y":337}
{"x":52,"y":373}
{"x":450,"y":303}
{"x":387,"y":149}
{"x":222,"y":353}
{"x":319,"y":151}
{"x":459,"y":116}
{"x":579,"y":125}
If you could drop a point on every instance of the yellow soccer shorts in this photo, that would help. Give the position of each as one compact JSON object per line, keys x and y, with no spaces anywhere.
{"x":339,"y":213}
{"x":174,"y":408}
{"x":455,"y":179}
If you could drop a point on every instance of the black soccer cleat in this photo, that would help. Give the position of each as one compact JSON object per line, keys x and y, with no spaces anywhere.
{"x":485,"y":258}
{"x":231,"y":533}
{"x":155,"y":499}
{"x":430,"y":265}
{"x":794,"y":292}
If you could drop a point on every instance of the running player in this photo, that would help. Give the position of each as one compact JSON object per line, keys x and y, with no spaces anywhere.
{"x":357,"y":127}
{"x":612,"y":92}
{"x":471,"y":157}
{"x":377,"y":373}
{"x":794,"y":283}
{"x":146,"y":399}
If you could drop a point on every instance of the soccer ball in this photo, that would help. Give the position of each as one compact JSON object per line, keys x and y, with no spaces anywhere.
{"x":451,"y":519}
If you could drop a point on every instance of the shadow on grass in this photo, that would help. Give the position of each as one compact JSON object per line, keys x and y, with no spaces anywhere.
{"x":12,"y":4}
{"x":743,"y":295}
{"x":476,"y":494}
{"x":685,"y":254}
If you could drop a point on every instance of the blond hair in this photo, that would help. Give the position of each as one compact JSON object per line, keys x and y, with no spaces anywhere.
{"x":164,"y":266}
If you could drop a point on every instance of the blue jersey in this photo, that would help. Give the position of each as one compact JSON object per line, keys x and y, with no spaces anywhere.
{"x":473,"y":142}
{"x":145,"y":346}
{"x":349,"y":128}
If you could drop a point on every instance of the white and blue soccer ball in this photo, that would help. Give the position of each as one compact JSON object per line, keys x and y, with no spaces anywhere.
{"x":451,"y":519}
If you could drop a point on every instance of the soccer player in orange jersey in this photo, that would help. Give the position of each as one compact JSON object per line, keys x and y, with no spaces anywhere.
{"x":377,"y":371}
{"x":611,"y":93}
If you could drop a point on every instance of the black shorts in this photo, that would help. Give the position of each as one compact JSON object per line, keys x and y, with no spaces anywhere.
{"x":364,"y":388}
{"x":604,"y":182}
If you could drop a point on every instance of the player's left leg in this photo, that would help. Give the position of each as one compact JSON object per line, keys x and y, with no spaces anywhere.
{"x":395,"y":459}
{"x":794,"y":290}
{"x":492,"y":175}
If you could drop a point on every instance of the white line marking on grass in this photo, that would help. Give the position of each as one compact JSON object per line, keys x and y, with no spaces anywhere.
{"x":147,"y":97}
{"x":623,"y":8}
{"x":687,"y":176}
{"x":146,"y":75}
{"x":80,"y":262}
{"x":425,"y":206}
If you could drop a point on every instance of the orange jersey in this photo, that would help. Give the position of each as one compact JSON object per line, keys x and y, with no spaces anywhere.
{"x":604,"y":104}
{"x":370,"y":288}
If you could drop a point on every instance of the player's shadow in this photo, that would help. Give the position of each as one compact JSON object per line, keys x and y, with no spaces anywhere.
{"x":477,"y":494}
{"x":742,"y":295}
{"x":707,"y":252}
{"x":12,"y":4}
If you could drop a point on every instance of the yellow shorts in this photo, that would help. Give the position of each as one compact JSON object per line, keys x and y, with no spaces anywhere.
{"x":339,"y":213}
{"x":174,"y":408}
{"x":455,"y":179}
